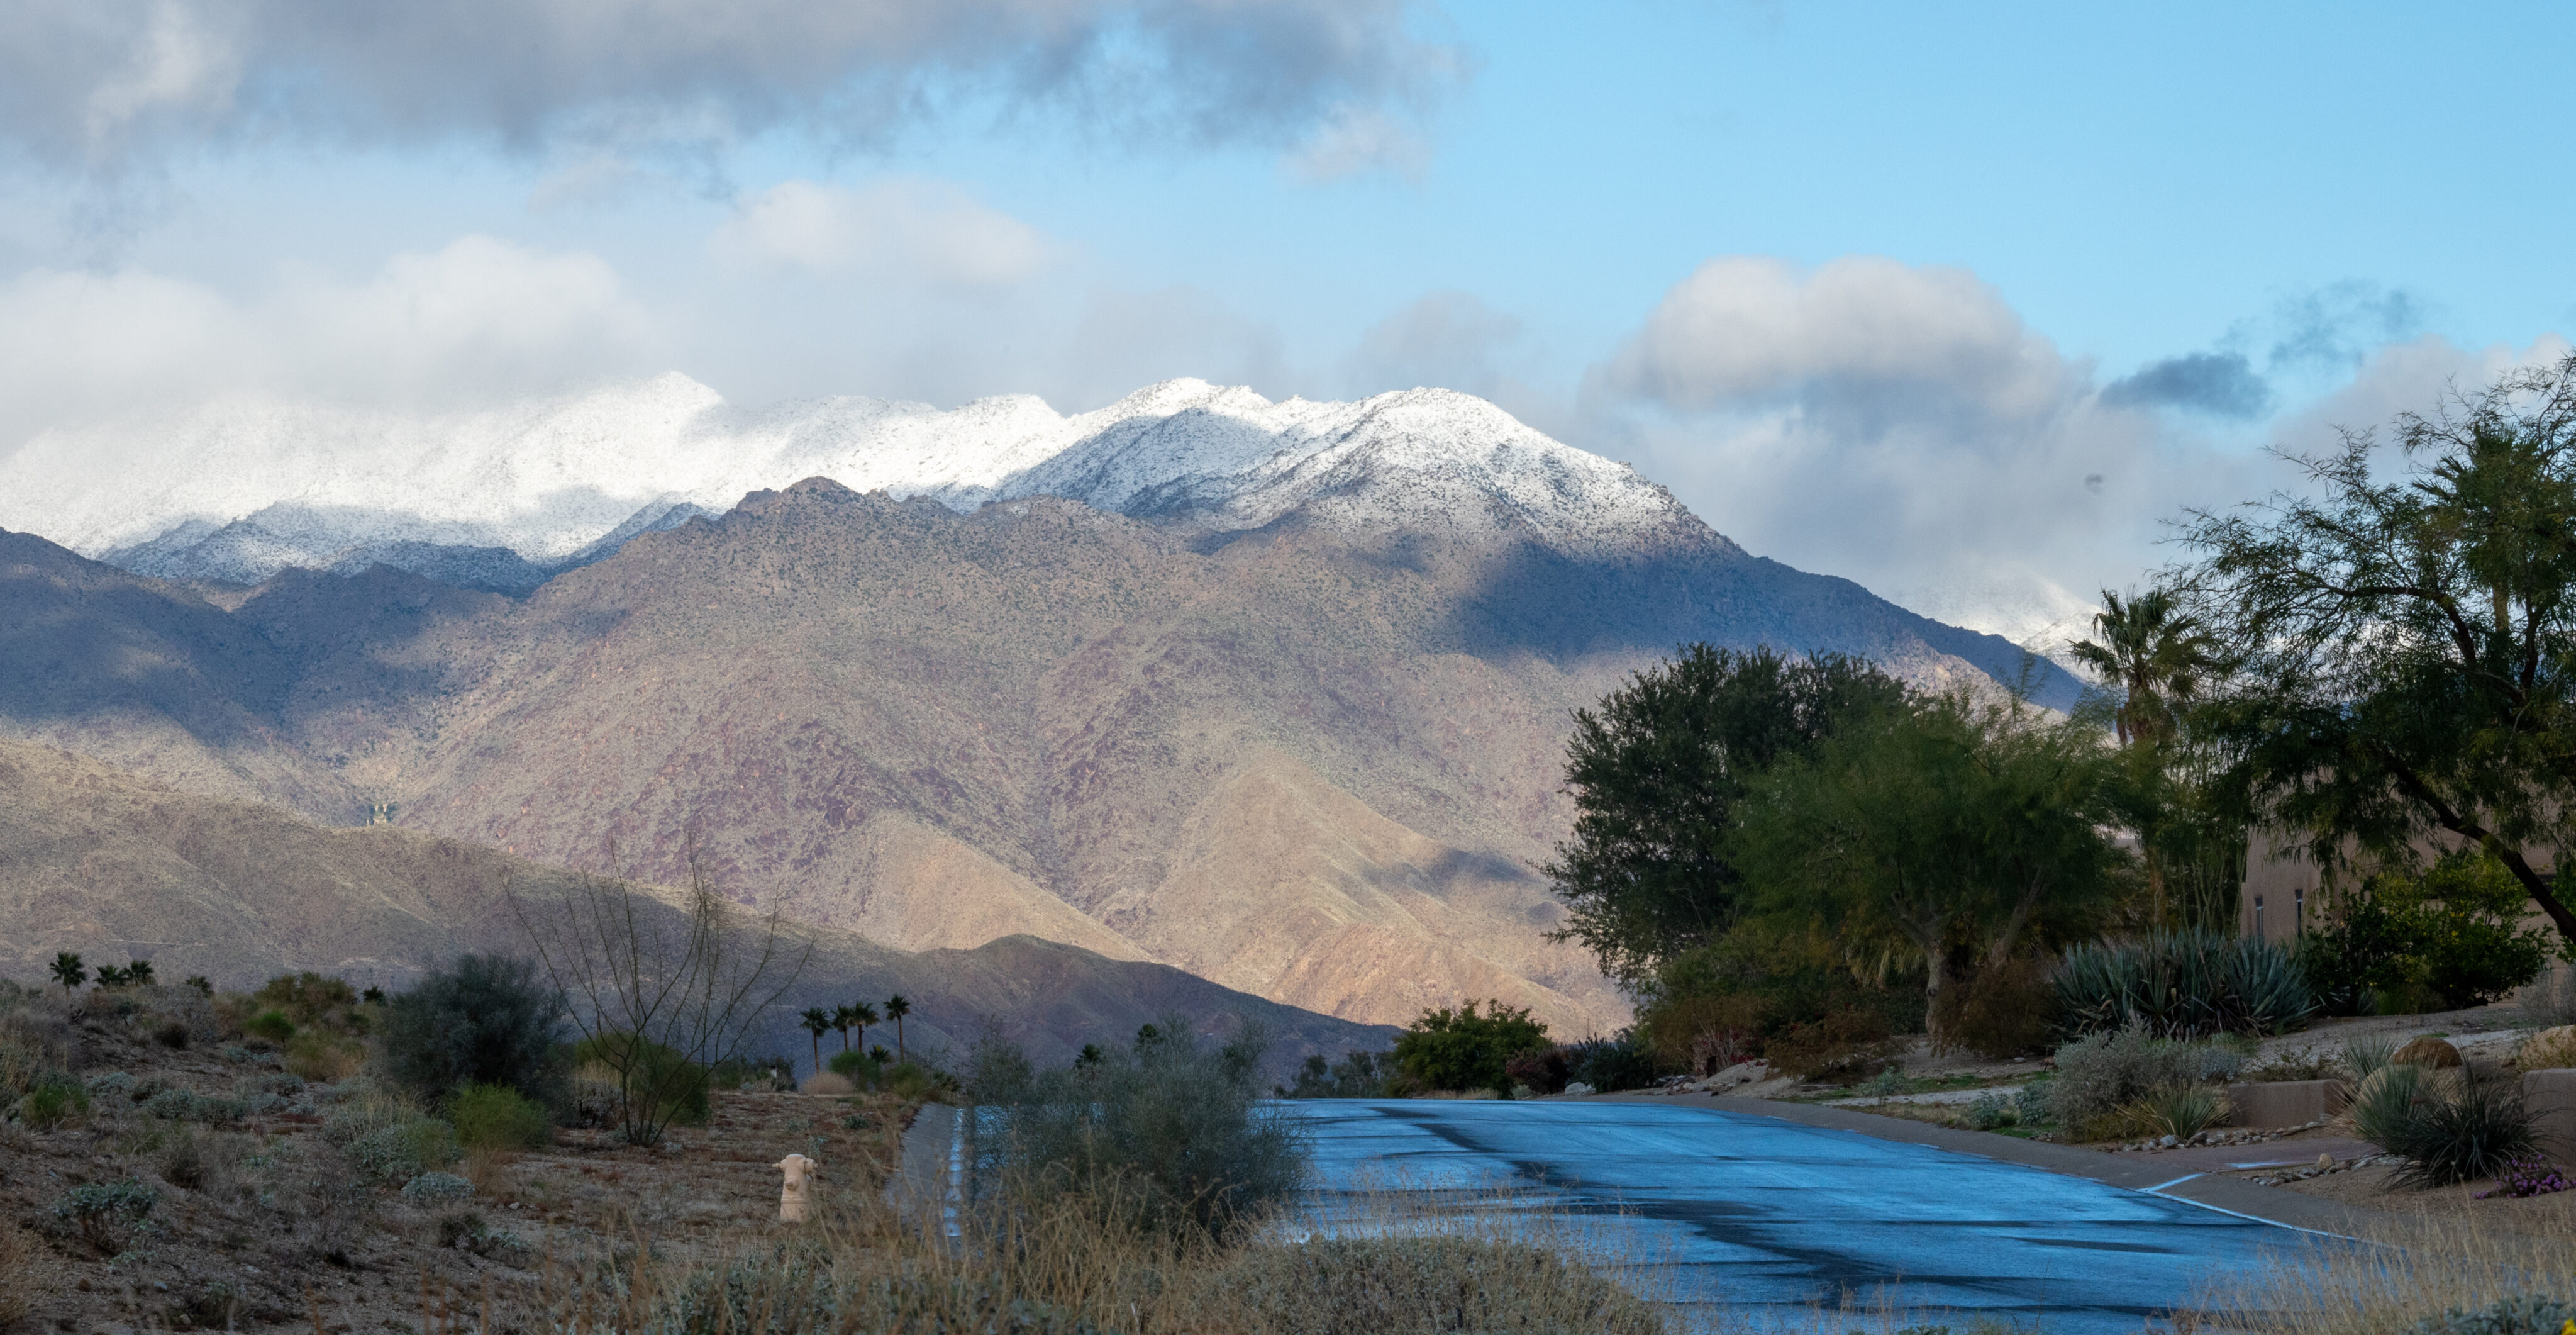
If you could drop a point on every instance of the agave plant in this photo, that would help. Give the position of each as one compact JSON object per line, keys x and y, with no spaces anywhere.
{"x":2183,"y":984}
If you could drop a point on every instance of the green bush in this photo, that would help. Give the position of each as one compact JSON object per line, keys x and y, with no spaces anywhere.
{"x":497,"y":1117}
{"x":1358,"y":1075}
{"x":105,"y":1213}
{"x":1726,"y":1001}
{"x":2099,"y":1074}
{"x":1464,"y":1050}
{"x":2459,"y":1131}
{"x":854,"y":1066}
{"x":2452,"y":936}
{"x":1842,"y":1047}
{"x":486,"y":1019}
{"x":396,"y":1154}
{"x":271,"y":1025}
{"x":2521,"y":1314}
{"x":2183,"y":985}
{"x":1610,"y":1064}
{"x":53,"y":1104}
{"x":308,"y":997}
{"x":1170,"y":1135}
{"x":179,"y":1105}
{"x":662,"y":1087}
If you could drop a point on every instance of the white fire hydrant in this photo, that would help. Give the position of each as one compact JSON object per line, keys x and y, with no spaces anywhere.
{"x":794,"y":1207}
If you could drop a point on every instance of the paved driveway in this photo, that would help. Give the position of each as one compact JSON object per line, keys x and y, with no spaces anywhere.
{"x":1755,"y":1213}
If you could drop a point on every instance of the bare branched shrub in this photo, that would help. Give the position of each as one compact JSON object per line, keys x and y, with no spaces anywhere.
{"x":660,"y":992}
{"x":24,"y":1273}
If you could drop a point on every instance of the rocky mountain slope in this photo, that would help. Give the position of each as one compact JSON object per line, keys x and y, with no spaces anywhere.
{"x":100,"y":862}
{"x":1273,"y":693}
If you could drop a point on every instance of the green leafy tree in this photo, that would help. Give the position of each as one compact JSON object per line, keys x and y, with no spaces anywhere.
{"x":2455,"y":931}
{"x":1461,"y":1049}
{"x":1656,"y":772}
{"x":895,"y":1009}
{"x":817,"y":1021}
{"x":69,"y":972}
{"x":2406,"y":645}
{"x":1946,"y":831}
{"x":2155,"y":657}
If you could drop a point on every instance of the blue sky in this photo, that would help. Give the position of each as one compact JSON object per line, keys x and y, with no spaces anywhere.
{"x":1958,"y":303}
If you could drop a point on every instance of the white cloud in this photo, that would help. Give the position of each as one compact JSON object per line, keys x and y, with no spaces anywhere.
{"x":94,"y":84}
{"x":476,"y":319}
{"x":889,"y":229}
{"x":1359,"y":139}
{"x":1904,"y":427}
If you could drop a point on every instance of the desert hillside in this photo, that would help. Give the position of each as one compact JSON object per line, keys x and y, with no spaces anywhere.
{"x":113,"y":867}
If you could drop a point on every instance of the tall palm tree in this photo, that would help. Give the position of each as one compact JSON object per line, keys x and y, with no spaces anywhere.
{"x":861,"y":1016}
{"x":69,"y":973}
{"x":896,"y":1009}
{"x":2156,"y":657}
{"x":816,"y":1020}
{"x":842,"y":1018}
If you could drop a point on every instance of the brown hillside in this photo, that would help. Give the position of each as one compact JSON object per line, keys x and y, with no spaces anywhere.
{"x":1312,"y":765}
{"x":113,"y":867}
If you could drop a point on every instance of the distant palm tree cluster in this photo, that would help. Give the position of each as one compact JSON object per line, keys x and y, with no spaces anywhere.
{"x":71,"y":972}
{"x":859,"y":1015}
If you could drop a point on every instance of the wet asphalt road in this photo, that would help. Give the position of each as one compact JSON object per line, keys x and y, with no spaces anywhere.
{"x":1765,"y":1216}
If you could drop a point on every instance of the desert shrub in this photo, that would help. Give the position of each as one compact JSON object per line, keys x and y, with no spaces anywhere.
{"x":362,"y":1107}
{"x":2478,"y":1130}
{"x":1840,"y":1048}
{"x":2004,"y":1010}
{"x":852,"y":1065}
{"x":1462,"y":1049}
{"x":2386,"y":1102}
{"x":1610,"y":1064}
{"x":912,"y":1080}
{"x":34,"y":1040}
{"x":270,"y":1025}
{"x":664,"y":1087}
{"x":53,"y":1104}
{"x":497,"y":1117}
{"x":310,"y":998}
{"x":24,"y":1277}
{"x":1993,"y":1109}
{"x":390,"y":1156}
{"x":1358,"y":1075}
{"x":2528,"y":1176}
{"x":486,"y":1019}
{"x":1539,"y":1070}
{"x":104,"y":1213}
{"x":2183,"y":1111}
{"x":180,"y":1105}
{"x":320,"y":1057}
{"x":2521,"y":1314}
{"x":1169,"y":1135}
{"x":2036,"y":1101}
{"x":2182,"y":985}
{"x":1722,"y":1003}
{"x":433,"y":1188}
{"x":189,"y":1164}
{"x":2097,"y":1075}
{"x":1471,"y":1284}
{"x":113,"y":1084}
{"x":171,"y":1033}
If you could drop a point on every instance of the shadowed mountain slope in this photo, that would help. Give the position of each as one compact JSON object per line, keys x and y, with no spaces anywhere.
{"x":111,"y":866}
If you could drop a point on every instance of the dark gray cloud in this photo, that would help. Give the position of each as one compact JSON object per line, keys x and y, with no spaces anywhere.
{"x":89,"y":84}
{"x":2221,"y":384}
{"x":2332,"y":328}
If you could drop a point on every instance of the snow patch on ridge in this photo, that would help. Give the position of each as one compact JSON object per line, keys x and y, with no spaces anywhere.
{"x":241,"y":489}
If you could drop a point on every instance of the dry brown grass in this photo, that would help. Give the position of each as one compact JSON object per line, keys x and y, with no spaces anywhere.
{"x":2549,"y":1049}
{"x":22,"y":1274}
{"x":1050,"y":1264}
{"x":488,"y":1169}
{"x":2372,"y":1286}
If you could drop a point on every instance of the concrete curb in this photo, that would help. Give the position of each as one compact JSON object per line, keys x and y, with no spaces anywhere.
{"x":924,"y":1176}
{"x":2225,"y":1194}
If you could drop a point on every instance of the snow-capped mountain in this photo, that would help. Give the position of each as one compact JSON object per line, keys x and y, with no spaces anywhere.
{"x":502,"y":499}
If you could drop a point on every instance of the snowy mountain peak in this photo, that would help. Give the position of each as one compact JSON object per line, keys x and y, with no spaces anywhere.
{"x":239,"y":490}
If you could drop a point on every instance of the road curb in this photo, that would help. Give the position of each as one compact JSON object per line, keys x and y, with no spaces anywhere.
{"x":2225,"y":1194}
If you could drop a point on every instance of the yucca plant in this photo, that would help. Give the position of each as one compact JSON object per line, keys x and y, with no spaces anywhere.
{"x":2183,"y":984}
{"x":2366,"y":1053}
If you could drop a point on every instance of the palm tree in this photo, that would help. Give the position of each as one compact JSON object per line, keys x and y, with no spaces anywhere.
{"x":69,"y":973}
{"x":2156,"y":657}
{"x":861,"y":1016}
{"x":139,"y":973}
{"x":896,"y":1009}
{"x":816,"y":1020}
{"x":2153,"y":654}
{"x":842,"y":1018}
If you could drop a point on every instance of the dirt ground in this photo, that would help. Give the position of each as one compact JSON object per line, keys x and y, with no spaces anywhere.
{"x":272,"y":1229}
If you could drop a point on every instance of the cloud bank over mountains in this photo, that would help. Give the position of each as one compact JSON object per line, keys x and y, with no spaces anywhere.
{"x":1900,"y":425}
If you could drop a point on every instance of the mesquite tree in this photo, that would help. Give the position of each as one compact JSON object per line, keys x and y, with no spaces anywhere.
{"x":2405,"y":642}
